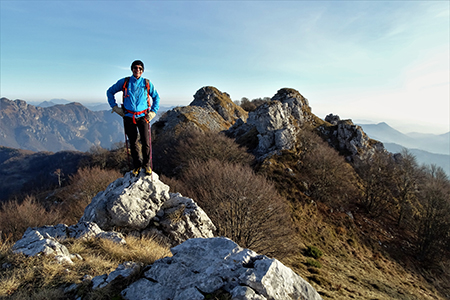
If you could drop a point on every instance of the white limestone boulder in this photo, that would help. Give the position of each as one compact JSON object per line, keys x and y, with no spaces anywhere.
{"x":129,"y":202}
{"x":200,"y":267}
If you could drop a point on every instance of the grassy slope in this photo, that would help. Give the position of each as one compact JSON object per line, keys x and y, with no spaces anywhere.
{"x":364,"y":258}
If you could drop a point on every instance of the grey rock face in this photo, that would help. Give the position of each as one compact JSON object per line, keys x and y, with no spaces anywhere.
{"x":46,"y":239}
{"x":203,"y":266}
{"x":143,"y":205}
{"x":124,"y":270}
{"x":276,"y":123}
{"x":34,"y":243}
{"x":332,"y":119}
{"x":129,"y":202}
{"x":350,"y":140}
{"x":213,"y":100}
{"x":182,"y":219}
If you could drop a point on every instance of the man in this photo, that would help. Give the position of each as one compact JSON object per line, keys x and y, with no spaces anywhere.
{"x":136,"y":112}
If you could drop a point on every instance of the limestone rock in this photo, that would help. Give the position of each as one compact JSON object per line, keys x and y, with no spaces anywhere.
{"x":349,"y":139}
{"x":203,"y":266}
{"x":143,"y":206}
{"x":275,"y":123}
{"x":211,"y":99}
{"x":332,"y":119}
{"x":34,"y":243}
{"x":46,"y":239}
{"x":129,"y":202}
{"x":182,"y":219}
{"x":124,"y":270}
{"x":211,"y":110}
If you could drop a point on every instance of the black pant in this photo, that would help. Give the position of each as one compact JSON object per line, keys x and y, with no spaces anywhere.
{"x":131,"y":130}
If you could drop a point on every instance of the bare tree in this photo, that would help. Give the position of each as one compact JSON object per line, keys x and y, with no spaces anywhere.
{"x":377,"y":175}
{"x":244,"y":206}
{"x":407,"y":178}
{"x":434,"y":213}
{"x":328,"y":177}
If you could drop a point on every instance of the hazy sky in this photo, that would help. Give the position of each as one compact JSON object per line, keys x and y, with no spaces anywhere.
{"x":363,"y":60}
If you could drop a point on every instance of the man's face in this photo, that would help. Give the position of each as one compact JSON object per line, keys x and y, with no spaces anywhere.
{"x":137,"y":71}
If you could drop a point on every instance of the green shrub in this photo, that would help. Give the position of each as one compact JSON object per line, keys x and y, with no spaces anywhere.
{"x":313,"y":263}
{"x":314,"y":252}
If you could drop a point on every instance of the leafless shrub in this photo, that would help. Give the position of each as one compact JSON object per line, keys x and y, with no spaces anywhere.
{"x":244,"y":206}
{"x":195,"y":144}
{"x":204,"y":146}
{"x":377,"y":174}
{"x":116,"y":158}
{"x":328,"y":177}
{"x":84,"y":185}
{"x":16,"y":216}
{"x":434,"y":214}
{"x":408,"y":176}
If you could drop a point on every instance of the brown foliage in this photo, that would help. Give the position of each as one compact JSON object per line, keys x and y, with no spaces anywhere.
{"x":116,"y":158}
{"x":84,"y":185}
{"x":328,"y":177}
{"x":433,"y":217}
{"x":195,"y":144}
{"x":245,"y":207}
{"x":16,"y":217}
{"x":377,"y":174}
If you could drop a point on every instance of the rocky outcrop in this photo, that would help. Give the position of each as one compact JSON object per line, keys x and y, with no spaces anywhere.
{"x":46,"y":240}
{"x":211,"y":110}
{"x":349,"y":139}
{"x":211,"y":99}
{"x":143,"y":205}
{"x":274,"y":126}
{"x":201,"y":267}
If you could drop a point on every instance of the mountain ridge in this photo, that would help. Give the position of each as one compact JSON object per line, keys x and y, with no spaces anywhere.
{"x":439,"y":144}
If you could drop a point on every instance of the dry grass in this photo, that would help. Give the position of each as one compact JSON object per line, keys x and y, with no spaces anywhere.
{"x":43,"y":278}
{"x":350,"y":269}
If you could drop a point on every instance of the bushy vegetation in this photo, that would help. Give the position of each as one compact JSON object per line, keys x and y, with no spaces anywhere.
{"x":383,"y":222}
{"x":84,"y":185}
{"x":176,"y":151}
{"x":63,"y":205}
{"x":244,"y":206}
{"x":252,"y":105}
{"x":313,"y":252}
{"x":16,"y":216}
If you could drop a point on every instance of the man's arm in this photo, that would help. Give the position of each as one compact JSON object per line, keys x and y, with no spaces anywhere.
{"x":115,"y":88}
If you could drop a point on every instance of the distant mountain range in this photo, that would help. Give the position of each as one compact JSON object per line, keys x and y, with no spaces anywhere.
{"x":92,"y":106}
{"x":55,"y":128}
{"x":427,"y":148}
{"x":59,"y":125}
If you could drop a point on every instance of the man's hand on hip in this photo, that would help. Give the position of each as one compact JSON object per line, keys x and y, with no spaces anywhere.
{"x":150,"y":115}
{"x":118,"y":110}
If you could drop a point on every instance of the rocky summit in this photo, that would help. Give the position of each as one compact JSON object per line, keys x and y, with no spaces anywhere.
{"x":201,"y":264}
{"x":143,"y":206}
{"x":211,"y":110}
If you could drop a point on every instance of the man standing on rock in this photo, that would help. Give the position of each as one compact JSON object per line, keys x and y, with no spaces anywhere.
{"x":137,"y":111}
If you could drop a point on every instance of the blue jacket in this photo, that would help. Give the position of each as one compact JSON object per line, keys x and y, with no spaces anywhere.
{"x":137,"y":96}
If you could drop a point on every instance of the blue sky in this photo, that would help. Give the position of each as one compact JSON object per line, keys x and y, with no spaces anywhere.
{"x":363,"y":60}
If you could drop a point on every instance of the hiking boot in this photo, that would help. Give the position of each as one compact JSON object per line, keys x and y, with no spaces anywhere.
{"x":136,"y":172}
{"x":148,"y":171}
